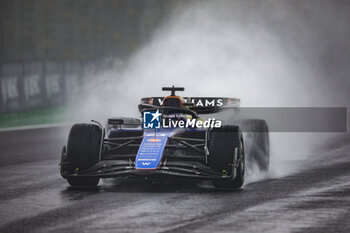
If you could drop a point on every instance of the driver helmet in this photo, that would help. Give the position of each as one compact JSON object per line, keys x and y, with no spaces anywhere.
{"x":173,"y":101}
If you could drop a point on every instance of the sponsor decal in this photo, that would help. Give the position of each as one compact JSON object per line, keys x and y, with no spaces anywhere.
{"x":197,"y":102}
{"x":153,"y":140}
{"x":10,"y":88}
{"x":53,"y":84}
{"x":31,"y":86}
{"x":150,"y":153}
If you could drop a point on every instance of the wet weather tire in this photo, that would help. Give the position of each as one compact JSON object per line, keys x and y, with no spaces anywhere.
{"x":222,"y":144}
{"x":83,"y":151}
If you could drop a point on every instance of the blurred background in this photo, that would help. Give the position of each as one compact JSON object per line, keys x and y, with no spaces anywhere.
{"x":69,"y":61}
{"x":88,"y":59}
{"x":48,"y":47}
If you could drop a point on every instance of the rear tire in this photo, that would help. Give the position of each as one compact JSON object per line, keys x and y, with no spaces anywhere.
{"x":83,"y":151}
{"x":222,"y":144}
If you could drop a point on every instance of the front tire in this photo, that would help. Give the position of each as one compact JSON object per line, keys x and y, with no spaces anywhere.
{"x":83,"y":151}
{"x":222,"y":145}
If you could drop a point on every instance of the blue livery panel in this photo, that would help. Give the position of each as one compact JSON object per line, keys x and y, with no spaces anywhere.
{"x":151,"y":150}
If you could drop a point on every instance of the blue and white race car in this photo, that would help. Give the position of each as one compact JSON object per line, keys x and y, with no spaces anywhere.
{"x":170,"y":139}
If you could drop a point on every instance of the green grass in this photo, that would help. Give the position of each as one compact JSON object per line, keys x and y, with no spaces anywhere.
{"x":35,"y":117}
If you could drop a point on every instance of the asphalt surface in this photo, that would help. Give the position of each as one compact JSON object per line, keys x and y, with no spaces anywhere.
{"x":34,"y":198}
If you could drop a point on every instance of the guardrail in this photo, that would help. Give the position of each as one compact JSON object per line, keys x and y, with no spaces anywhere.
{"x":35,"y":85}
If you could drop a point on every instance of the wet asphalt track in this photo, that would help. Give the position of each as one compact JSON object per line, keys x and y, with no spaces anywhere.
{"x":34,"y":198}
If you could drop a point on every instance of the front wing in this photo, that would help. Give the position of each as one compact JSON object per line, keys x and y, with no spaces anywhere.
{"x":119,"y":168}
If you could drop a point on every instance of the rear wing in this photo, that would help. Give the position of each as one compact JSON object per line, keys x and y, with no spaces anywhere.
{"x":201,"y":105}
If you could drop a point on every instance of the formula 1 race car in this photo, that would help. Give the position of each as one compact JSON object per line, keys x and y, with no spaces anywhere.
{"x":171,"y":139}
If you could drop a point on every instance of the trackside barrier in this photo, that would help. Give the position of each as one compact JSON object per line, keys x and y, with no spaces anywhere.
{"x":34,"y":85}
